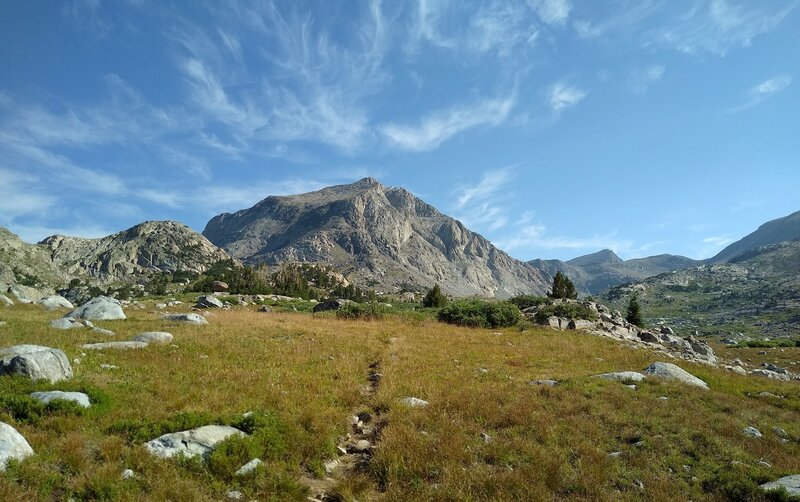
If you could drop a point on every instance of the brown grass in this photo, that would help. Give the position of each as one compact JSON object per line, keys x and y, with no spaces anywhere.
{"x":546,"y":442}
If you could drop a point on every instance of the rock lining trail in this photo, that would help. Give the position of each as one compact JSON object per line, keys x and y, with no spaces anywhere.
{"x":356,"y":448}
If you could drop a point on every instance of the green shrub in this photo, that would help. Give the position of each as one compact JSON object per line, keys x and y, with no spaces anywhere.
{"x":363,"y":311}
{"x":525,"y":301}
{"x":25,"y":409}
{"x":435,"y":298}
{"x":566,"y":310}
{"x":139,"y":431}
{"x":480,"y":314}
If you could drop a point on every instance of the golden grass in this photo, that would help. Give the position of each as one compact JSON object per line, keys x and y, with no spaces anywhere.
{"x":546,"y":442}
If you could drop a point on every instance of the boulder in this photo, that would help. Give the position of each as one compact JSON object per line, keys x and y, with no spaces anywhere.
{"x":101,"y":331}
{"x":622,"y":376}
{"x":264,"y":308}
{"x":55,"y":302}
{"x":790,"y":483}
{"x":101,"y":307}
{"x":414,"y":402}
{"x":552,"y":321}
{"x":666,"y":330}
{"x":25,"y":294}
{"x":115,"y":345}
{"x":752,"y":432}
{"x":771,"y":374}
{"x":669,"y":371}
{"x":153,"y":337}
{"x":4,"y":300}
{"x":331,"y":305}
{"x":12,"y":446}
{"x":192,"y":443}
{"x":702,"y":349}
{"x":66,"y":323}
{"x":196,"y":319}
{"x":647,"y":336}
{"x":76,"y":397}
{"x":209,"y":302}
{"x":545,"y":383}
{"x":35,"y":362}
{"x":580,"y":324}
{"x":219,"y":286}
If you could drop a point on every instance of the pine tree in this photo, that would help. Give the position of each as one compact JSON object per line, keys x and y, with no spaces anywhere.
{"x":634,"y":314}
{"x":435,"y":298}
{"x":563,"y":288}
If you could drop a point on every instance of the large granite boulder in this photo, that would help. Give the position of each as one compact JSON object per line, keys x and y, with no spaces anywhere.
{"x":209,"y":302}
{"x":101,"y":307}
{"x":789,"y":483}
{"x":622,"y":376}
{"x":66,"y":323}
{"x":25,"y":294}
{"x":153,"y":337}
{"x":55,"y":302}
{"x":115,"y":345}
{"x":192,"y":443}
{"x":35,"y":362}
{"x":331,"y":305}
{"x":76,"y":397}
{"x":669,"y":371}
{"x":196,"y":319}
{"x":12,"y":446}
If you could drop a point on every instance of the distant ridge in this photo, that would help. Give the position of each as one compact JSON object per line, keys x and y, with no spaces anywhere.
{"x":380,"y":237}
{"x":772,"y":232}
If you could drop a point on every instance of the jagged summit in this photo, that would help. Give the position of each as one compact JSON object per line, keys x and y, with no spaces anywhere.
{"x":380,"y":236}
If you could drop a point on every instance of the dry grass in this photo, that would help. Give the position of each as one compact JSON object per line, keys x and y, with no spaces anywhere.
{"x":308,"y":370}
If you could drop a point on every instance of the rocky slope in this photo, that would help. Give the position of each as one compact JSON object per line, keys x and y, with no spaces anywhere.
{"x":772,"y":232}
{"x":380,"y":237}
{"x":599,"y":271}
{"x":757,"y":294}
{"x":152,"y":246}
{"x":23,"y":263}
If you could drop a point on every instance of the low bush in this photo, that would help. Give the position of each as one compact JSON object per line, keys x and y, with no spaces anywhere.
{"x":480,"y":314}
{"x":524,"y":301}
{"x":566,"y":310}
{"x":363,"y":311}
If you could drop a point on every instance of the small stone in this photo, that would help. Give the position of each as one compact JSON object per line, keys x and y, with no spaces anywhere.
{"x":101,"y":331}
{"x":234,"y":495}
{"x":779,"y":432}
{"x":752,"y":432}
{"x":545,"y":383}
{"x":631,"y":386}
{"x":128,"y":474}
{"x":341,"y":450}
{"x":764,"y":464}
{"x":615,"y":454}
{"x":331,"y":466}
{"x":153,"y":337}
{"x":249,"y":467}
{"x":486,"y":438}
{"x":663,"y":398}
{"x":360,"y":446}
{"x":108,"y":366}
{"x":414,"y":402}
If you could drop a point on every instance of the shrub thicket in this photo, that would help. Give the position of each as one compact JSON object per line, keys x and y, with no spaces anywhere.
{"x":524,"y":301}
{"x":435,"y":298}
{"x":480,"y":314}
{"x":566,"y":310}
{"x":363,"y":311}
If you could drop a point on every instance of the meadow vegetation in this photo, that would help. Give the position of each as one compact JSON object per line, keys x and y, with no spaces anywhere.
{"x":302,"y":377}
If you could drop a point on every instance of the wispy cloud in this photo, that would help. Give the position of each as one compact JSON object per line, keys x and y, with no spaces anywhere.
{"x":533,"y":236}
{"x":440,"y":126}
{"x":641,"y":79}
{"x":499,"y":28}
{"x":554,"y":12}
{"x":562,"y":95}
{"x":480,"y":205}
{"x":763,"y":91}
{"x":709,"y":246}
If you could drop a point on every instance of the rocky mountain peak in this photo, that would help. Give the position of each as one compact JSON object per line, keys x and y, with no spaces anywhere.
{"x":379,"y":236}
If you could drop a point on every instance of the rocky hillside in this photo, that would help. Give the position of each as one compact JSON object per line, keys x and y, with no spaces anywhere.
{"x":152,"y":246}
{"x":380,"y":237}
{"x":772,"y":232}
{"x":757,"y":294}
{"x":599,"y":271}
{"x":26,"y":264}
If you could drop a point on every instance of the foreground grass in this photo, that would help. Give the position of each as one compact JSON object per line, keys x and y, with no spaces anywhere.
{"x":304,"y":374}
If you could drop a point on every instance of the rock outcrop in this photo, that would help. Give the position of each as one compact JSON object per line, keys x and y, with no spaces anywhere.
{"x":669,"y":371}
{"x":12,"y":446}
{"x":192,"y":443}
{"x":378,"y":236}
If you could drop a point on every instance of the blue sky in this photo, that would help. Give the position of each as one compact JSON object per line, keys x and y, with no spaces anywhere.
{"x":553,"y":127}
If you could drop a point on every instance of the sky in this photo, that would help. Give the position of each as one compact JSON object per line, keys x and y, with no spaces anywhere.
{"x":555,"y":128}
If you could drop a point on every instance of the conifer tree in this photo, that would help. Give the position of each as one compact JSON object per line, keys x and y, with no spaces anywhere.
{"x":563,"y":288}
{"x":634,"y":313}
{"x":435,"y":298}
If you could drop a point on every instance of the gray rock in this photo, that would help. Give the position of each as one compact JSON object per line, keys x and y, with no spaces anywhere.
{"x":234,"y":495}
{"x":25,"y":294}
{"x":546,"y":383}
{"x":209,"y":302}
{"x":552,"y":321}
{"x":196,"y":319}
{"x":667,"y":330}
{"x":790,"y":483}
{"x":580,"y":324}
{"x":249,"y":467}
{"x":360,"y":446}
{"x":330,"y":305}
{"x":774,"y":375}
{"x":736,"y":369}
{"x":702,"y":348}
{"x":649,"y":337}
{"x":35,"y":362}
{"x":161,"y":306}
{"x":128,"y":474}
{"x":414,"y":402}
{"x":55,"y":302}
{"x":192,"y":443}
{"x":101,"y":331}
{"x":219,"y":286}
{"x":669,"y":371}
{"x":115,"y":345}
{"x":76,"y":397}
{"x":153,"y":337}
{"x":264,"y":308}
{"x":752,"y":432}
{"x":12,"y":446}
{"x":66,"y":323}
{"x":4,"y":300}
{"x":622,"y":376}
{"x":99,"y":308}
